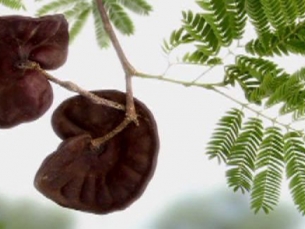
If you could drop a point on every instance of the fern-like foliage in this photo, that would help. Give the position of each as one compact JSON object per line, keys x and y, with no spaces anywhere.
{"x":77,"y":16}
{"x":225,"y":135}
{"x":275,"y":13}
{"x":295,"y":168}
{"x":56,"y":6}
{"x":300,"y":5}
{"x":258,"y":18}
{"x":258,"y":77}
{"x":224,"y":22}
{"x":275,"y":22}
{"x":242,"y":155}
{"x":269,"y":166}
{"x":292,"y":94}
{"x":227,"y":18}
{"x":78,"y":11}
{"x":136,"y":6}
{"x":198,"y":57}
{"x":285,"y":40}
{"x":13,"y":4}
{"x":101,"y":35}
{"x":255,"y":155}
{"x":199,"y":28}
{"x":262,"y":79}
{"x":119,"y":17}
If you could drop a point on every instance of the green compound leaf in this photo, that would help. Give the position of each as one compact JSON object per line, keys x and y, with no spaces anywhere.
{"x":258,"y":18}
{"x":255,"y":161}
{"x":269,"y":167}
{"x":77,"y":13}
{"x":292,"y":94}
{"x":284,"y":41}
{"x":56,"y":6}
{"x":300,"y":6}
{"x":241,"y":160}
{"x":101,"y":35}
{"x":198,"y":57}
{"x":258,"y":78}
{"x":225,"y":135}
{"x":274,"y":13}
{"x":137,"y":6}
{"x":295,"y":168}
{"x":80,"y":21}
{"x":227,"y":18}
{"x":13,"y":4}
{"x":219,"y":23}
{"x":198,"y":27}
{"x":177,"y":38}
{"x":120,"y":18}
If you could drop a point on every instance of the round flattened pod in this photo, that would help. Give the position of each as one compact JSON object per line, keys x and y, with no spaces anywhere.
{"x":25,"y":94}
{"x":78,"y":115}
{"x":24,"y":99}
{"x":44,"y":40}
{"x":106,"y":179}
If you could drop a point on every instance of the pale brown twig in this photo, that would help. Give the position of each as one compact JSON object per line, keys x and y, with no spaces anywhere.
{"x":131,"y":115}
{"x":71,"y":86}
{"x":99,"y":141}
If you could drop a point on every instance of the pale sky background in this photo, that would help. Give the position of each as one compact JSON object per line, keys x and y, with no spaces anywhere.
{"x":185,"y":116}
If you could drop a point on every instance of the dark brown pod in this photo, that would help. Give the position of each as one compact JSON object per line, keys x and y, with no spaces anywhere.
{"x":25,"y":95}
{"x":78,"y":115}
{"x":24,"y":99}
{"x":104,"y":180}
{"x":43,"y":40}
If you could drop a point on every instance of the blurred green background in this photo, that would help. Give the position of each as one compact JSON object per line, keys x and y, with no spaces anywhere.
{"x":28,"y":214}
{"x":224,"y":210}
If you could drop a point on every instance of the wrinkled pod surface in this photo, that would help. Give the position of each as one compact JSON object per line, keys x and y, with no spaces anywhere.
{"x":101,"y":180}
{"x":25,"y":94}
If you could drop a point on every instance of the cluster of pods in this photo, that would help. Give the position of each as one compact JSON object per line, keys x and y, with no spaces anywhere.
{"x":76,"y":175}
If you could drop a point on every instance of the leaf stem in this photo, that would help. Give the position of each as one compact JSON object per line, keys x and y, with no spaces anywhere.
{"x":215,"y":88}
{"x":246,"y":105}
{"x":181,"y":82}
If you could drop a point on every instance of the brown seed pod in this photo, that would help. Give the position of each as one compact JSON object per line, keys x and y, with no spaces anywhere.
{"x":24,"y":99}
{"x":25,"y":94}
{"x":78,"y":115}
{"x":99,"y":180}
{"x":43,"y":40}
